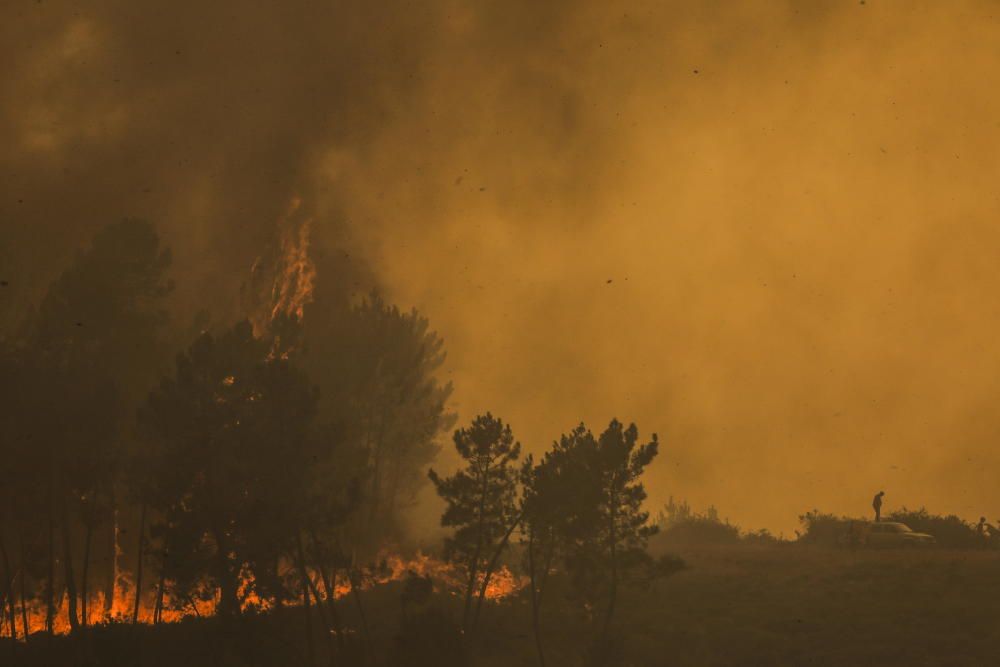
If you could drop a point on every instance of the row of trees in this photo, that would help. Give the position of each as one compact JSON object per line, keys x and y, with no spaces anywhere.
{"x":232,"y":464}
{"x":577,"y":509}
{"x":264,"y":464}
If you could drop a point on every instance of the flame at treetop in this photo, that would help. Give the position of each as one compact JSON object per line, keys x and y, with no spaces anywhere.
{"x":282,"y":284}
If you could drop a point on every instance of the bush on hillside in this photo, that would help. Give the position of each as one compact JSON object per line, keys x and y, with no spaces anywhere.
{"x":701,"y":530}
{"x":822,"y":528}
{"x":949,"y":531}
{"x":680,"y":525}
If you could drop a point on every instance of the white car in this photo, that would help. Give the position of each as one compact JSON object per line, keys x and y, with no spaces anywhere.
{"x":895,"y":534}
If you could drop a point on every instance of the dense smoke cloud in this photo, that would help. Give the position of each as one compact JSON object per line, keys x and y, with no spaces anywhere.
{"x":206,"y":119}
{"x":765,"y":231}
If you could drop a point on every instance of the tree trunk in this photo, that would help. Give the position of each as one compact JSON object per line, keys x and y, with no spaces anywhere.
{"x":138,"y":566}
{"x":492,"y":566}
{"x":535,"y":602}
{"x":112,"y":581}
{"x":228,"y":604}
{"x":546,"y":570}
{"x":329,"y":588}
{"x":477,"y":554}
{"x":74,"y":622}
{"x":84,"y":575}
{"x":327,"y":612}
{"x":24,"y":609}
{"x":9,"y":590}
{"x":470,"y":586}
{"x":324,"y":611}
{"x":306,"y":585}
{"x":376,"y":483}
{"x":356,"y":594}
{"x":378,"y":458}
{"x":613,"y":539}
{"x":50,"y":610}
{"x":158,"y":608}
{"x":194,"y":607}
{"x":393,"y":492}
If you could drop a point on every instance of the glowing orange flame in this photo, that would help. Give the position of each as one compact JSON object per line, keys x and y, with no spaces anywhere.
{"x":293,"y":286}
{"x":503,"y":583}
{"x":447,"y":578}
{"x":291,"y":273}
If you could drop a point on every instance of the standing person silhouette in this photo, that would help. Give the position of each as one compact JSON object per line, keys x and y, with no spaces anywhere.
{"x":877,"y":505}
{"x":984,"y":531}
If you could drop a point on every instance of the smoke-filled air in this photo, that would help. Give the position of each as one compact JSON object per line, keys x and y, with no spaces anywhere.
{"x":498,"y":333}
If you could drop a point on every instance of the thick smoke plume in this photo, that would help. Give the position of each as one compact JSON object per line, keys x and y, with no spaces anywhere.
{"x":764,"y":230}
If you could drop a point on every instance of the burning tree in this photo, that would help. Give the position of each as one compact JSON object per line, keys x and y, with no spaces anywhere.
{"x":228,"y":463}
{"x":104,"y":319}
{"x":88,"y":352}
{"x":375,"y":366}
{"x":23,"y":494}
{"x":481,"y":503}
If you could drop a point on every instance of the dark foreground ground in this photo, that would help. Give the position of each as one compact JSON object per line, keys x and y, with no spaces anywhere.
{"x":787,"y":605}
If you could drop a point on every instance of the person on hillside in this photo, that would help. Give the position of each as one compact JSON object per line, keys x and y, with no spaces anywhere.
{"x":877,"y":505}
{"x":984,"y":531}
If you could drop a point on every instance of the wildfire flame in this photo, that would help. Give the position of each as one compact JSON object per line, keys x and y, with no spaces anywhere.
{"x":446,"y":577}
{"x":503,"y":583}
{"x":290,"y":272}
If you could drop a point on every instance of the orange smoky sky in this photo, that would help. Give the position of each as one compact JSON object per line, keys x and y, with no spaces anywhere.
{"x":766,"y":231}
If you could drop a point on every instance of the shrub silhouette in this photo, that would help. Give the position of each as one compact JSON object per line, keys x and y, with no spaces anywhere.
{"x":950,"y":531}
{"x":680,"y":525}
{"x":702,"y":530}
{"x":822,"y":528}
